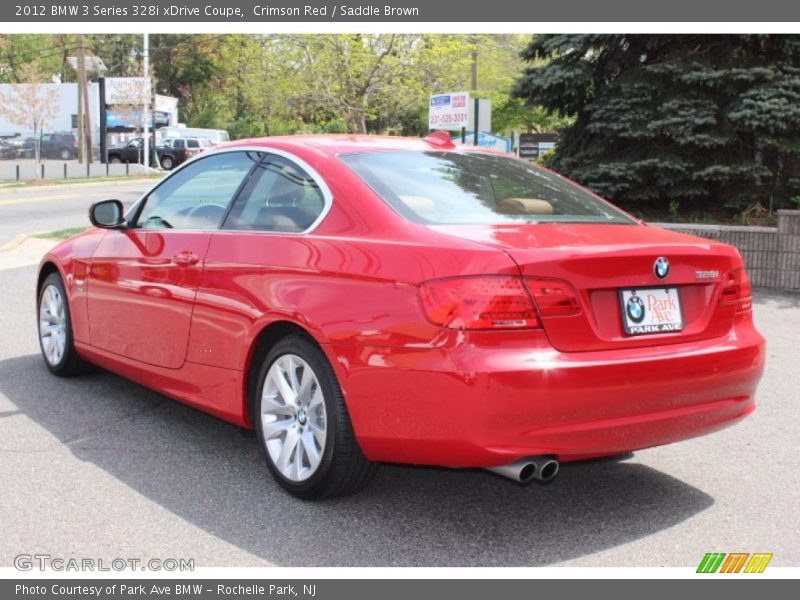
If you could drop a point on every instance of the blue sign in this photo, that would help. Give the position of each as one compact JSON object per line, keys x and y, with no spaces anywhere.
{"x":132,"y":119}
{"x":488,"y":140}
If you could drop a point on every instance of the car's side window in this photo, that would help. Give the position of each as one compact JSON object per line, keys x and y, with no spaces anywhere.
{"x":197,"y":196}
{"x":280,"y":196}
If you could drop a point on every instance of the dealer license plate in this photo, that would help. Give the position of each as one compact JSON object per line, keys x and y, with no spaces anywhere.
{"x":651,"y":310}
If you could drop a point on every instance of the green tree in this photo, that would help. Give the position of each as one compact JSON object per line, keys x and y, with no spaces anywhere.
{"x":18,"y":51}
{"x":184,"y":66}
{"x":709,"y":120}
{"x":121,"y":52}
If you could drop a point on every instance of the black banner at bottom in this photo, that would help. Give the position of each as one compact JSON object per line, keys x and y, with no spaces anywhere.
{"x":382,"y":589}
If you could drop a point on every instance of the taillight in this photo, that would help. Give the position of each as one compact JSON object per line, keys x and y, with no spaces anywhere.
{"x":736,"y":289}
{"x":489,"y":302}
{"x":553,"y":297}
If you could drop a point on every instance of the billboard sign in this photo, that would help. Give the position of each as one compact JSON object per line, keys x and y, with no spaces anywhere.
{"x":131,"y":120}
{"x":532,"y":145}
{"x":487,"y":140}
{"x":128,"y":91}
{"x":449,"y":111}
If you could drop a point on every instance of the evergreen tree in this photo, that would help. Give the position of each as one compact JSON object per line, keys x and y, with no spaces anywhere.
{"x":705,"y":121}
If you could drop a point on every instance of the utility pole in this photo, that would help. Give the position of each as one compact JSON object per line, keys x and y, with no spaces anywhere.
{"x":81,"y":67}
{"x":146,"y":103}
{"x":84,"y":122}
{"x":101,"y":96}
{"x":474,"y":86}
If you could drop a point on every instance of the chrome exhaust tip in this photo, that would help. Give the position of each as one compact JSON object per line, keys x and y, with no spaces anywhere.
{"x":540,"y":468}
{"x":546,"y":468}
{"x":521,"y":471}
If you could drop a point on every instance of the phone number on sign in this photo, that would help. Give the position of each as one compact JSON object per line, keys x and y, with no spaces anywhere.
{"x":460,"y":119}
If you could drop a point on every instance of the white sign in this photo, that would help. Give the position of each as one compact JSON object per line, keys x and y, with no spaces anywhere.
{"x":449,"y":111}
{"x":127,"y":90}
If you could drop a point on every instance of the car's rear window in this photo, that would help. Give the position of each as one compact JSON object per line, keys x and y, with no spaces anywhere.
{"x":462,"y":187}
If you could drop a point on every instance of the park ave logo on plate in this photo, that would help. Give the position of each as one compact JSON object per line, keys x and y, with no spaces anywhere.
{"x":651,"y":310}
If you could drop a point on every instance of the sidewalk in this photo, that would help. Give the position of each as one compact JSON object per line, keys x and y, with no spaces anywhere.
{"x":24,"y":250}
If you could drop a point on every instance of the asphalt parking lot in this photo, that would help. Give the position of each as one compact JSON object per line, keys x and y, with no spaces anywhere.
{"x":100,"y":467}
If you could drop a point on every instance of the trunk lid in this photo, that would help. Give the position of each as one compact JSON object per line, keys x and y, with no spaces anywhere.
{"x":600,"y":261}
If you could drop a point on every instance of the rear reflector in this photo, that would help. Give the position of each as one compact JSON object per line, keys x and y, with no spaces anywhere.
{"x":736,"y":289}
{"x":553,"y":297}
{"x":490,"y":302}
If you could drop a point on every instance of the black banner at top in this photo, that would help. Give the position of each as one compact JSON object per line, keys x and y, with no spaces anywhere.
{"x":411,"y":11}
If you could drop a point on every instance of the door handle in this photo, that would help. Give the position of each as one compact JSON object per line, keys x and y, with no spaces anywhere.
{"x":185,"y":259}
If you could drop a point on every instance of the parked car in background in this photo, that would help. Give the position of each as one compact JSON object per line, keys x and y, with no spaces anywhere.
{"x":63,"y":146}
{"x":133,"y":152}
{"x":26,"y":148}
{"x":366,"y":299}
{"x":8,"y":150}
{"x":184,"y":149}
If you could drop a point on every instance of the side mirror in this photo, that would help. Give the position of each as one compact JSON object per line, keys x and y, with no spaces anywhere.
{"x":107,"y":214}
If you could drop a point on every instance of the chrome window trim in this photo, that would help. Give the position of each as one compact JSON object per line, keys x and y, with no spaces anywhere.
{"x":327,"y":196}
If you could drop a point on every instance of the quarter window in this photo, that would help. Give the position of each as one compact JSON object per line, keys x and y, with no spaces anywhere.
{"x":280,"y":196}
{"x":197,"y":196}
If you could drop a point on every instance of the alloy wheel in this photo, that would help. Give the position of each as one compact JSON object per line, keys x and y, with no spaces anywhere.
{"x":53,"y":325}
{"x":293,"y":418}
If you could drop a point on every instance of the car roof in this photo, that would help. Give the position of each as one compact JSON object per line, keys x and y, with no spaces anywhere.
{"x":346,"y":144}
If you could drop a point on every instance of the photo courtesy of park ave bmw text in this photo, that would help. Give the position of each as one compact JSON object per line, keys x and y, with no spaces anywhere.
{"x":331,"y":300}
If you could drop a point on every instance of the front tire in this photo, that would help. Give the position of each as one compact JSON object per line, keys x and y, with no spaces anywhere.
{"x":167,"y":163}
{"x":55,"y":329}
{"x":303,"y":425}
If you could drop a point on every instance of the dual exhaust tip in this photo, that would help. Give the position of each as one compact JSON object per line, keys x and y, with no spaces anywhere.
{"x":540,"y":468}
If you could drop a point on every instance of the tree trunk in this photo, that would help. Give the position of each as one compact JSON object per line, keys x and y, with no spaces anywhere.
{"x":37,"y":146}
{"x":356,"y":121}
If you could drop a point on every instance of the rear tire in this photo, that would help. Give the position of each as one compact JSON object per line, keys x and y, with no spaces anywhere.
{"x":167,"y":163}
{"x":55,"y":329}
{"x":303,"y":425}
{"x":114,"y":160}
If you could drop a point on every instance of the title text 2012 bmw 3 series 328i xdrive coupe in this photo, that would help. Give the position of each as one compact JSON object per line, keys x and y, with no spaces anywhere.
{"x":366,"y":299}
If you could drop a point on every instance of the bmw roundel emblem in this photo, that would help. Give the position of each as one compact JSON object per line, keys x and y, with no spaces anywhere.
{"x":635,"y":308}
{"x":661,"y":267}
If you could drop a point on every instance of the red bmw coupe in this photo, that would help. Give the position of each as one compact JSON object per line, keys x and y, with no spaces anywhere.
{"x":367,"y":299}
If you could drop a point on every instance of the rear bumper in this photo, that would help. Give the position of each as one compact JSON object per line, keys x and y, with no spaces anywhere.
{"x":471,"y":405}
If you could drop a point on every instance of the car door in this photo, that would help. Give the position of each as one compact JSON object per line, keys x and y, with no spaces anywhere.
{"x":133,"y":151}
{"x":259,"y":261}
{"x":143,"y":279}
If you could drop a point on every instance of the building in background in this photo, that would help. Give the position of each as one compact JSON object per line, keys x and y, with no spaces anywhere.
{"x":123,"y":118}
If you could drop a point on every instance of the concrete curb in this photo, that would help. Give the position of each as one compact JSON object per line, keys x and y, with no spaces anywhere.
{"x":24,"y":250}
{"x":16,"y":241}
{"x":68,"y":186}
